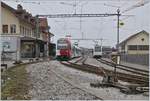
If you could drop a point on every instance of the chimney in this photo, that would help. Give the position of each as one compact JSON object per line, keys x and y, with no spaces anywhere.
{"x":19,"y":7}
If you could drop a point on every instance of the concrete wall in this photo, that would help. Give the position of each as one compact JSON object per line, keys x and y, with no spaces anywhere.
{"x":141,"y":59}
{"x":12,"y":48}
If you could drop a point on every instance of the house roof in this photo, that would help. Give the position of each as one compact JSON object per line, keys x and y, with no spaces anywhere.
{"x":143,"y":31}
{"x":43,"y":22}
{"x":14,"y":11}
{"x":6,"y":6}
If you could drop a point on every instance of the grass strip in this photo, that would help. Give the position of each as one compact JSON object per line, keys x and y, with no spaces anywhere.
{"x":16,"y":85}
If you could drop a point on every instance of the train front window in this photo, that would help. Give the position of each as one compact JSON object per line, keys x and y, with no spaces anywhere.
{"x":97,"y":49}
{"x":62,"y":46}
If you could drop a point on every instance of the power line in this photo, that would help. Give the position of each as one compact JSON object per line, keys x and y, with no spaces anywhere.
{"x":76,"y":15}
{"x":71,"y":0}
{"x":139,"y":4}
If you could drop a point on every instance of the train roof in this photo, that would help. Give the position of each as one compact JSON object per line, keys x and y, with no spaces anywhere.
{"x":64,"y":39}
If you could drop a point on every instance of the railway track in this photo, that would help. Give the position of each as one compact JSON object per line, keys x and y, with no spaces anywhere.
{"x":132,"y":70}
{"x":98,"y":97}
{"x":121,"y":76}
{"x":80,"y":59}
{"x":99,"y":71}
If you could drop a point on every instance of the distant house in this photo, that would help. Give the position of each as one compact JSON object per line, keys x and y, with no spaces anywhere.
{"x":136,"y":44}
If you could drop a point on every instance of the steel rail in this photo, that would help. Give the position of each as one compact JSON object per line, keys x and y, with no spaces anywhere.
{"x":76,"y":85}
{"x":126,"y":68}
{"x":98,"y":70}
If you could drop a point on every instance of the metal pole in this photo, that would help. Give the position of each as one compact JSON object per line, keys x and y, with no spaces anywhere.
{"x":101,"y":45}
{"x":115,"y":71}
{"x":37,"y":35}
{"x":118,"y":15}
{"x":49,"y":41}
{"x":75,"y":6}
{"x":3,"y":54}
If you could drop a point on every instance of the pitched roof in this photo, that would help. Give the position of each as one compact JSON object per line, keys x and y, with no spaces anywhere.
{"x":8,"y":7}
{"x":14,"y":11}
{"x":43,"y":22}
{"x":143,"y":31}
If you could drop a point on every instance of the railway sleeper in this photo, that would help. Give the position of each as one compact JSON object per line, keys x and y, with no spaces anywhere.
{"x":131,"y":90}
{"x":99,"y":71}
{"x":126,"y":89}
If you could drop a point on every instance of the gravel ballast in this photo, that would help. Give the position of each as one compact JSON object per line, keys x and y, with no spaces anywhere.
{"x":46,"y":85}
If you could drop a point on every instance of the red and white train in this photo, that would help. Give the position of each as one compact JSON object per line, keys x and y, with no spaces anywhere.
{"x":66,"y":50}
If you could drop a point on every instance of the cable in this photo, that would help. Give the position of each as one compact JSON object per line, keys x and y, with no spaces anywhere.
{"x":69,"y":0}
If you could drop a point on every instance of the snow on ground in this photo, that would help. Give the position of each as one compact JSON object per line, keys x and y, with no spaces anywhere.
{"x":47,"y":86}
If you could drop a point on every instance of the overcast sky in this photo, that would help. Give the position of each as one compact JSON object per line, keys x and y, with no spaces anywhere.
{"x":90,"y":27}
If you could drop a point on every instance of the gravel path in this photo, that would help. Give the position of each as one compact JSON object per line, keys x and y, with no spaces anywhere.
{"x":46,"y":85}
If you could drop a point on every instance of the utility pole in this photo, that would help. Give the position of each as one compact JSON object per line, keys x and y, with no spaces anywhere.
{"x":81,"y":19}
{"x":118,"y":15}
{"x":82,"y":35}
{"x":101,"y":45}
{"x":48,"y":41}
{"x":37,"y":35}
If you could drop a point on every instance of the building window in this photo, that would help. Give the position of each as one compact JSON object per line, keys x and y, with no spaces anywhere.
{"x":5,"y":28}
{"x":138,"y":47}
{"x":143,"y":47}
{"x":142,"y":39}
{"x":13,"y":28}
{"x":132,"y":47}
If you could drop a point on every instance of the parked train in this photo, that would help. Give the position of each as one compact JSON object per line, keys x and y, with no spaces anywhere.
{"x":97,"y":53}
{"x":66,"y":50}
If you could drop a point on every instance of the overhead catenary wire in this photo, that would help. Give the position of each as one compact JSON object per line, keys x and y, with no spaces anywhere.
{"x":138,"y":4}
{"x":32,"y":1}
{"x":70,"y":0}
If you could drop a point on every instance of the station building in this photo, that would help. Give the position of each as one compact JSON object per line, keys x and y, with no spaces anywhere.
{"x":45,"y":37}
{"x":135,"y":44}
{"x":19,"y":35}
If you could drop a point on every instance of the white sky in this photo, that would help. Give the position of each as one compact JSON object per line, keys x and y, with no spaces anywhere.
{"x":91,"y":27}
